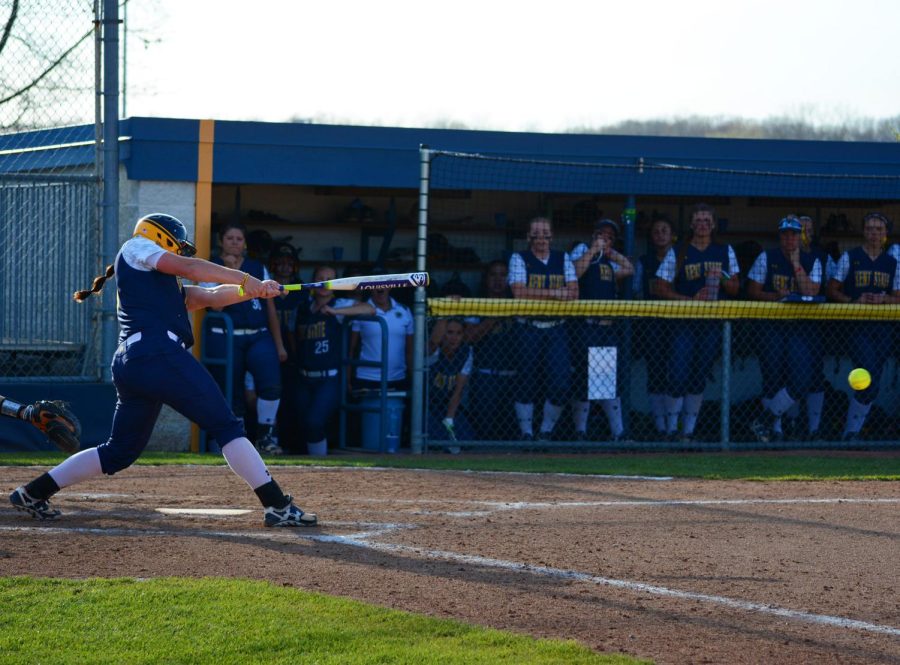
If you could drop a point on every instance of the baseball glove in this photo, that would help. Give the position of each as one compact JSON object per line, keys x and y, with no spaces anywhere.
{"x":57,"y":421}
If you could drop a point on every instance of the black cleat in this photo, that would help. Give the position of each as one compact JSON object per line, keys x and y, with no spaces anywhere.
{"x":39,"y":510}
{"x":290,"y":515}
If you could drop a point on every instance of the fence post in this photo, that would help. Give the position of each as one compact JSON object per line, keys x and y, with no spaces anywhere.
{"x":726,"y":384}
{"x":417,"y":400}
{"x":110,"y":175}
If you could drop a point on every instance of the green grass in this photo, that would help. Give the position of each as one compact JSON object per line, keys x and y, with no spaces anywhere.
{"x":222,"y":621}
{"x":816,"y":465}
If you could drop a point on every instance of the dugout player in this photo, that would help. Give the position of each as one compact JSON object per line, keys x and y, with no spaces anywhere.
{"x":656,"y":333}
{"x":785,"y":356}
{"x":697,"y":270}
{"x":258,"y":345}
{"x":492,"y":385}
{"x":815,"y":398}
{"x":283,"y":265}
{"x":867,"y":275}
{"x":542,"y":273}
{"x":320,"y":317}
{"x":152,"y":366}
{"x":599,"y":268}
{"x":449,"y":368}
{"x":365,"y":337}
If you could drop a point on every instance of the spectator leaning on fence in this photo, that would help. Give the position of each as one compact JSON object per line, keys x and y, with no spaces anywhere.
{"x":320,"y":317}
{"x":785,"y":356}
{"x":695,"y":270}
{"x":258,"y":346}
{"x":492,"y":385}
{"x":867,"y":275}
{"x":599,"y":268}
{"x":449,"y":369}
{"x":657,"y":333}
{"x":542,"y":273}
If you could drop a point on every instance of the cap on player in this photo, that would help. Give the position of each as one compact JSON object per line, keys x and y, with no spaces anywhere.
{"x":790,"y":224}
{"x":601,"y":224}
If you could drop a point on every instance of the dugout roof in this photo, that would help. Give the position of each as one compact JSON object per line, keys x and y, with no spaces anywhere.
{"x":166,"y":149}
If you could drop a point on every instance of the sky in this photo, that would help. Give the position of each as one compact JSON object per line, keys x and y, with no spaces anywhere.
{"x":512,"y":65}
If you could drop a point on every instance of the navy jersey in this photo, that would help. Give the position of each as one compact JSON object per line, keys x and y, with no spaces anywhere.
{"x":649,"y":266}
{"x":150,"y":301}
{"x":319,"y":337}
{"x":496,"y":350}
{"x":551,"y":275}
{"x":869,"y":276}
{"x":780,"y":271}
{"x":286,"y":310}
{"x":692,"y":276}
{"x":819,"y":254}
{"x":599,"y":280}
{"x":444,"y":372}
{"x":249,"y":313}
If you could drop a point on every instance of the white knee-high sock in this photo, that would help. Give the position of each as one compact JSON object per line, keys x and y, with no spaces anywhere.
{"x":266,"y":410}
{"x":245,"y":461}
{"x":781,"y":402}
{"x":80,"y":466}
{"x":856,"y":416}
{"x":673,"y":412}
{"x":658,"y":410}
{"x":525,"y":416}
{"x":692,"y":405}
{"x":814,"y":403}
{"x":551,"y":415}
{"x":613,"y":410}
{"x":580,"y":411}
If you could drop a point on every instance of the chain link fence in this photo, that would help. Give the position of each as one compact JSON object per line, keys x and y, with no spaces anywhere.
{"x":595,"y":319}
{"x":49,"y":189}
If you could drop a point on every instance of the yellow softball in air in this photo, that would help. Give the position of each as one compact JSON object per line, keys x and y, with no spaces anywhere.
{"x":859,"y":379}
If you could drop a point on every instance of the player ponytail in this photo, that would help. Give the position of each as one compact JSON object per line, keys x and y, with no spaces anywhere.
{"x":96,"y":286}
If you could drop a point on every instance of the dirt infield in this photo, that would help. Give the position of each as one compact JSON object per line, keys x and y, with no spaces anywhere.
{"x":674,"y":570}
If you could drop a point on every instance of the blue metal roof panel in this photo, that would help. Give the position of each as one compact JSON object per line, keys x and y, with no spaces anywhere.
{"x":295,"y":153}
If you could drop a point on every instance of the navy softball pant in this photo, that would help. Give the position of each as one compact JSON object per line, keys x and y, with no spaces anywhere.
{"x":870,"y":347}
{"x":318,"y":399}
{"x":786,"y":358}
{"x":543,"y":354}
{"x":695,"y":347}
{"x":254,"y":353}
{"x":148,"y":374}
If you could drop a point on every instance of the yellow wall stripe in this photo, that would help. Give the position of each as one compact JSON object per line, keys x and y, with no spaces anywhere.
{"x":203,"y":224}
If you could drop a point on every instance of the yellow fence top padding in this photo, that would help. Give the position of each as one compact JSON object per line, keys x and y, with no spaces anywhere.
{"x":663,"y":309}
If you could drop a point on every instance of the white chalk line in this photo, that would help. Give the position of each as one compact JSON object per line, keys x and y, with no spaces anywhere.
{"x":499,"y":506}
{"x":559,"y":573}
{"x":371,"y":530}
{"x":363,"y":540}
{"x":478,"y":472}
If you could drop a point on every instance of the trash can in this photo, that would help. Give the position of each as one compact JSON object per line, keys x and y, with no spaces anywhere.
{"x":371,"y":421}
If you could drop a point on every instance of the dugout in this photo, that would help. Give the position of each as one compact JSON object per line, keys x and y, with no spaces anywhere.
{"x":352,"y":192}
